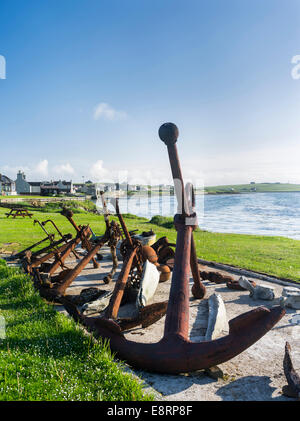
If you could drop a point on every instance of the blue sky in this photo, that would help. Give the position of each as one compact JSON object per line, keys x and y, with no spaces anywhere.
{"x":89,"y":82}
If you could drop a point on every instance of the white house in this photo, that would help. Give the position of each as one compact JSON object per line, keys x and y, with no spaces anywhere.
{"x":27,"y":187}
{"x":7,"y":186}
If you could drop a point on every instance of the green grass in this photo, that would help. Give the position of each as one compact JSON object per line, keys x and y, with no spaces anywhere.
{"x":46,"y":356}
{"x":248,"y":188}
{"x":278,"y":256}
{"x":56,"y":206}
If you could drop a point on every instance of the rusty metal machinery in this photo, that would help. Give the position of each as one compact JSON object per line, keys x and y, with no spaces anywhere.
{"x":175,"y":353}
{"x":60,"y":234}
{"x":115,"y":235}
{"x":85,"y":238}
{"x":49,"y":237}
{"x":53,"y":286}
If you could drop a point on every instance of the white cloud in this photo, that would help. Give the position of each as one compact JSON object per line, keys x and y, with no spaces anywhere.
{"x":64,"y":169}
{"x":11,"y":171}
{"x":97,"y":171}
{"x":105,"y":111}
{"x":42,"y":168}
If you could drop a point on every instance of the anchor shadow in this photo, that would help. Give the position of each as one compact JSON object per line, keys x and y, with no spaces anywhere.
{"x":249,"y":388}
{"x":171,"y":384}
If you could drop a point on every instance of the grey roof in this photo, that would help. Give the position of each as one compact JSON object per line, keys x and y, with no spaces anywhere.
{"x":35,"y":183}
{"x":5,"y":180}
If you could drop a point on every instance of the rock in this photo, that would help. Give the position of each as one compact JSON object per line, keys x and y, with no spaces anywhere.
{"x":264,"y":292}
{"x":290,"y":298}
{"x":214,"y":372}
{"x":246,"y":284}
{"x":217,"y":318}
{"x":291,"y":292}
{"x":149,"y":283}
{"x":90,"y":294}
{"x":258,"y":292}
{"x":98,"y":305}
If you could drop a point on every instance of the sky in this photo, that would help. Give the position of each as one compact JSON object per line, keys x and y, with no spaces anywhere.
{"x":89,"y":82}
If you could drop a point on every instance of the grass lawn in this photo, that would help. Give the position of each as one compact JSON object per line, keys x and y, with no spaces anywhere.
{"x":46,"y":356}
{"x":278,"y":256}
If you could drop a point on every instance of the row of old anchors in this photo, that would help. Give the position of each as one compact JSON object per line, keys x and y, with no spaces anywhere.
{"x":142,"y":273}
{"x":175,"y":352}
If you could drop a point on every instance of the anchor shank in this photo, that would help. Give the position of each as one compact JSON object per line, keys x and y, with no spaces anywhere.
{"x":115,"y":301}
{"x":80,"y":266}
{"x":178,"y":179}
{"x":168,"y":133}
{"x":177,"y":318}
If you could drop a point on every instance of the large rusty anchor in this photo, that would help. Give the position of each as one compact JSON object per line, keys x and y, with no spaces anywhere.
{"x":175,"y":353}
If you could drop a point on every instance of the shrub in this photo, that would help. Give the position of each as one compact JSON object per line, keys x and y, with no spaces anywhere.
{"x":162,"y":221}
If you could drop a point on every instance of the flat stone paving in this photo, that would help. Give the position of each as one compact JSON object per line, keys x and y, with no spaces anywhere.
{"x":254,"y":375}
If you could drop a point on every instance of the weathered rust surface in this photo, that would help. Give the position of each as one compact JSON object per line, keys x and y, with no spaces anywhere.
{"x":114,"y":237}
{"x":21,"y":253}
{"x":52,"y":246}
{"x":115,"y":302}
{"x":175,"y":354}
{"x":111,"y":237}
{"x":31,"y":260}
{"x":59,"y":233}
{"x":291,"y":375}
{"x":146,"y":316}
{"x":49,"y":237}
{"x":168,"y":133}
{"x":232,"y":284}
{"x":84,"y":239}
{"x":61,"y":289}
{"x":198,"y":289}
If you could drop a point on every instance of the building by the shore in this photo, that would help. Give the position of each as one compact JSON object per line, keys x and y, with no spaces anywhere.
{"x":43,"y":188}
{"x":7,"y":186}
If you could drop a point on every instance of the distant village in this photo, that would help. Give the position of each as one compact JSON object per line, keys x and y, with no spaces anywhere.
{"x":21,"y":186}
